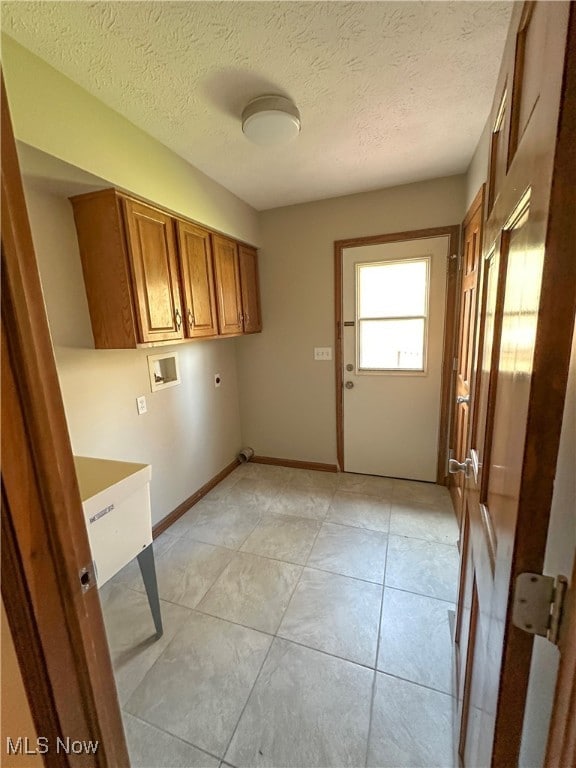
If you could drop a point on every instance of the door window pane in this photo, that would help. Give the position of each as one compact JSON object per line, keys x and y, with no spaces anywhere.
{"x":391,"y":314}
{"x":392,"y":344}
{"x":392,"y":289}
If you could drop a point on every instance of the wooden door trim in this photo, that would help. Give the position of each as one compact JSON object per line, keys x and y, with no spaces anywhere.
{"x":453,"y":233}
{"x":50,"y":509}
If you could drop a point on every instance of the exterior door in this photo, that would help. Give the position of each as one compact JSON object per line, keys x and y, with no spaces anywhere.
{"x":154,"y":260}
{"x":524,"y":331}
{"x":469,"y":268}
{"x":393,"y":309}
{"x":228,"y":282}
{"x":198,"y":280}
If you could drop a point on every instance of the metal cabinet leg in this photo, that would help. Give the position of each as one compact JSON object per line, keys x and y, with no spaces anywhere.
{"x":148,"y":570}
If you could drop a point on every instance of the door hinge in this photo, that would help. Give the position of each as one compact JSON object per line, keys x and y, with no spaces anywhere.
{"x":538,"y":604}
{"x":455,"y":364}
{"x":88,"y":576}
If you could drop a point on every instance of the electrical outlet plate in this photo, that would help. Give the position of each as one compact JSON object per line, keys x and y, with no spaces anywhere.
{"x":141,"y":405}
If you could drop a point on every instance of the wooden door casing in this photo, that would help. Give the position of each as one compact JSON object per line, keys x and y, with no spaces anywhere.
{"x":228,"y":285}
{"x":154,"y":261}
{"x":58,"y":628}
{"x":517,"y":404}
{"x":470,"y":267}
{"x":249,"y":284}
{"x":196,"y":261}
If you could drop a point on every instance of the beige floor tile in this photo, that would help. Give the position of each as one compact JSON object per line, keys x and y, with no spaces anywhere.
{"x":283,"y":538}
{"x":350,"y":551}
{"x":250,"y":493}
{"x":307,"y":709}
{"x":369,"y":485}
{"x":411,"y":726}
{"x":422,"y":521}
{"x":150,"y":747}
{"x":425,"y":567}
{"x":253,"y":591}
{"x":360,"y":511}
{"x":311,"y":478}
{"x":415,"y":641}
{"x":132,"y":637}
{"x":188,"y":569}
{"x":218,"y":522}
{"x":335,"y":614}
{"x":423,"y":493}
{"x":302,"y":502}
{"x":197,"y":688}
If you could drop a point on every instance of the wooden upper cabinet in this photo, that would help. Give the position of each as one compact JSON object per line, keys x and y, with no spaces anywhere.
{"x":228,"y":285}
{"x":153,"y":277}
{"x":200,"y":315}
{"x":154,"y":261}
{"x":248,"y":259}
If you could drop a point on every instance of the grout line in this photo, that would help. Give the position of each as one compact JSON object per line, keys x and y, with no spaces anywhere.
{"x":225,"y":752}
{"x":373,"y":696}
{"x":411,"y":682}
{"x":172,"y":735}
{"x":421,"y":594}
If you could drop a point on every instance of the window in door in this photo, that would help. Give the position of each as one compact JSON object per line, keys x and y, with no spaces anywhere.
{"x":392,"y":315}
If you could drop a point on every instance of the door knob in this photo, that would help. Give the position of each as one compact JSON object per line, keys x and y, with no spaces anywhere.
{"x":462,"y":399}
{"x":349,"y":367}
{"x":455,"y":466}
{"x":349,"y":385}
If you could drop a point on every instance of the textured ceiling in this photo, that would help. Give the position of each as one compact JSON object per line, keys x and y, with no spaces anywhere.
{"x":389,"y":92}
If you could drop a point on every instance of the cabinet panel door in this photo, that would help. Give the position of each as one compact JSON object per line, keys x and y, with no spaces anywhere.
{"x":152,"y":248}
{"x":248,"y":258}
{"x":198,"y":280}
{"x":227,"y":285}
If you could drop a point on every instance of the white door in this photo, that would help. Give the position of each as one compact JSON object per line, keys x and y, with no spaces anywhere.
{"x":394,"y":306}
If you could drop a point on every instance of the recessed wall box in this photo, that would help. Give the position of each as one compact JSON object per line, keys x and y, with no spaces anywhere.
{"x":164,"y":371}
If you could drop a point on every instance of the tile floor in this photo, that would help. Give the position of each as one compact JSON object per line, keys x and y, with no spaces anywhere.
{"x":306,"y":624}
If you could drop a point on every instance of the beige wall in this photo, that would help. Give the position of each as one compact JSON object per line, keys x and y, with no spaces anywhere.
{"x":287,"y":400}
{"x":190,"y":431}
{"x":53,"y":114}
{"x":478,"y":168}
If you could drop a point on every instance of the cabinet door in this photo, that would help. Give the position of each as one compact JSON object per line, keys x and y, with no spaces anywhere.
{"x":248,"y":258}
{"x":227,"y":285}
{"x":197,"y":280}
{"x":152,"y":248}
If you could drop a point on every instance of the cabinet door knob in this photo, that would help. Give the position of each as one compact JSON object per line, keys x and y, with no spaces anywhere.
{"x":190,"y":317}
{"x":178,"y":317}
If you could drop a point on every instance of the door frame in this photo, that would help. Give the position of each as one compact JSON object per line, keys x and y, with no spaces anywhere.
{"x":57,"y":626}
{"x":453,"y":233}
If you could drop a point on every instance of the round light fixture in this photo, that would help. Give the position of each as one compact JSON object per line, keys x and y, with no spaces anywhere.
{"x":271,"y":120}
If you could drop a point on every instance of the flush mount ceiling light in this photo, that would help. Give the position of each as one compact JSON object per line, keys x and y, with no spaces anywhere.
{"x":271,"y":120}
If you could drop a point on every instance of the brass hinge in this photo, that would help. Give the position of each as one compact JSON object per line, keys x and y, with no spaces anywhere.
{"x":538,"y":604}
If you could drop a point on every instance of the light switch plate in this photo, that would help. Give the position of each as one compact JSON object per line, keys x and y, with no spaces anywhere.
{"x":217,"y":380}
{"x":322,"y":353}
{"x":141,"y":405}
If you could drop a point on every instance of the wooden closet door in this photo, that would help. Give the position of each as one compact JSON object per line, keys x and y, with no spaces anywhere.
{"x":198,"y":280}
{"x":248,"y":258}
{"x":154,"y":260}
{"x":228,"y":285}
